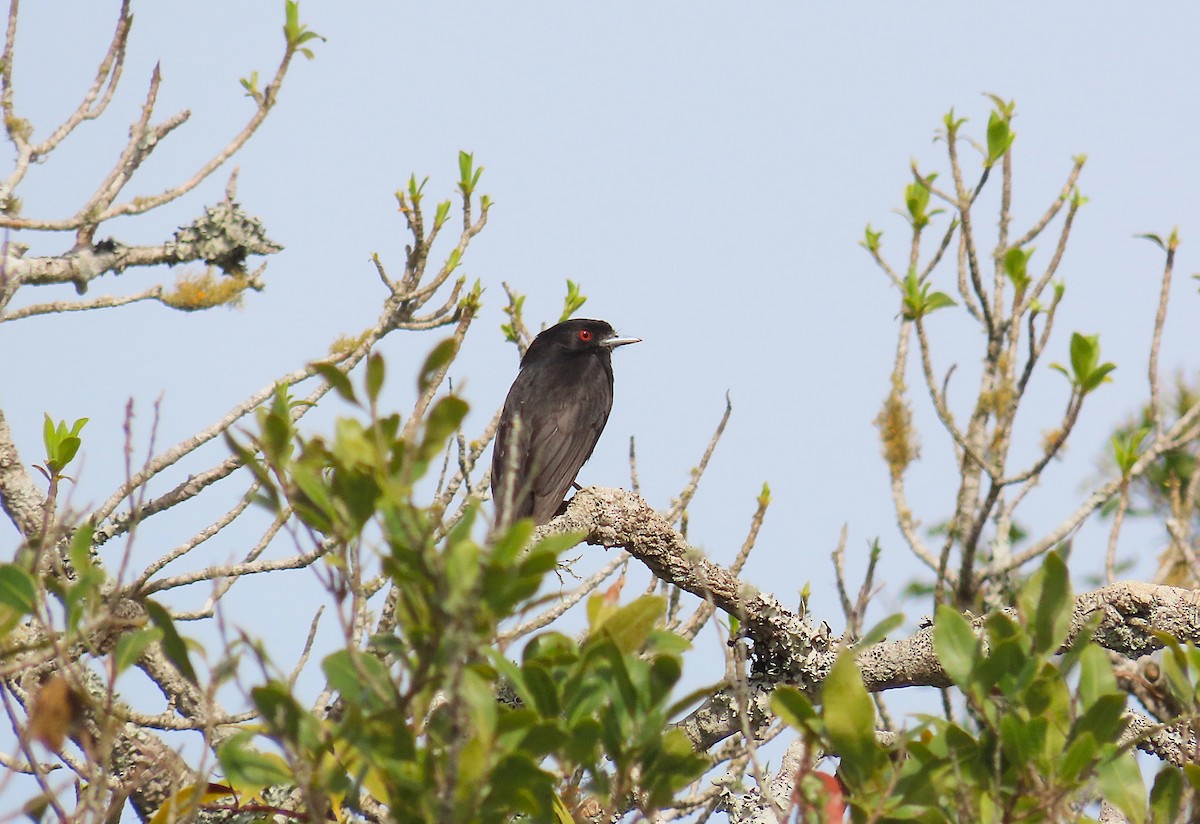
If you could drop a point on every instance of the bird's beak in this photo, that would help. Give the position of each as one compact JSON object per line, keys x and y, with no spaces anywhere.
{"x":615,"y":341}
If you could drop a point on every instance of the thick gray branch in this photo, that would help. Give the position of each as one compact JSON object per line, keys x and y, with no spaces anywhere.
{"x":20,"y":498}
{"x":788,"y":649}
{"x":224,"y":236}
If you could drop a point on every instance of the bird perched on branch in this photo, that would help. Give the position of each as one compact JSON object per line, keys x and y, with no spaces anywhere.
{"x":552,"y":418}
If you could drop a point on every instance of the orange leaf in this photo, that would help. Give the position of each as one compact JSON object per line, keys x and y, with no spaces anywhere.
{"x":835,"y":799}
{"x":612,"y":595}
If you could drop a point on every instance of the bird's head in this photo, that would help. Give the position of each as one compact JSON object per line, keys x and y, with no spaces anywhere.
{"x":578,"y":335}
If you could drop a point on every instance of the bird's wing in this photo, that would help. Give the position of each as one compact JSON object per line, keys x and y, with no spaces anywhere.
{"x":559,"y":444}
{"x":510,"y":462}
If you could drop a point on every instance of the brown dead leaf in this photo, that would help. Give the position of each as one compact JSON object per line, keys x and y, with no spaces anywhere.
{"x":57,"y":713}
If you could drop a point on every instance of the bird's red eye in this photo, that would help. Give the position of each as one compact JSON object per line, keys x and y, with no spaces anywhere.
{"x":585,"y":335}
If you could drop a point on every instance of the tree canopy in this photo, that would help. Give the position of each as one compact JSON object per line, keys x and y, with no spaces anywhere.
{"x":505,"y":672}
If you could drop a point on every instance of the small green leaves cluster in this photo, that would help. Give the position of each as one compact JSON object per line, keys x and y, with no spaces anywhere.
{"x":1127,"y":447}
{"x":573,"y":301}
{"x":515,"y":310}
{"x":24,"y":593}
{"x":1168,"y":244}
{"x":919,"y":301}
{"x":85,"y":609}
{"x":1000,"y":135}
{"x":468,"y":174}
{"x":870,"y":240}
{"x":61,"y":445}
{"x":600,"y":708}
{"x":1043,"y":736}
{"x":410,"y":201}
{"x":250,"y":84}
{"x":1086,"y":373}
{"x":295,"y":32}
{"x":916,"y":202}
{"x":1016,"y":266}
{"x":433,"y":720}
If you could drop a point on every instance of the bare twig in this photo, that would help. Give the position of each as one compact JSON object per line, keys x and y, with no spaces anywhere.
{"x":1160,"y":320}
{"x":685,"y":497}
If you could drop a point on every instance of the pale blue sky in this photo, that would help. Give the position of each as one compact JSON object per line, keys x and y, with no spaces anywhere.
{"x":704,"y":170}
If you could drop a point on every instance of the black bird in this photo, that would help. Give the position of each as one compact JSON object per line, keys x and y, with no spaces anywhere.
{"x":552,"y":418}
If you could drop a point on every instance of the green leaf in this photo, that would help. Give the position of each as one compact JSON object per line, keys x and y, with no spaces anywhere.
{"x":1104,"y":718}
{"x":1176,"y":671}
{"x":1000,"y":137}
{"x":1153,"y":238}
{"x":582,"y":741}
{"x":871,"y":240}
{"x":878,"y":632}
{"x":464,"y":166}
{"x":1016,"y":266}
{"x":519,"y":785}
{"x":1096,"y":677}
{"x":1018,"y":737}
{"x":61,"y":444}
{"x":131,"y":645}
{"x":629,"y":625}
{"x":573,"y":302}
{"x":1046,"y":603}
{"x":249,"y":770}
{"x":916,"y":201}
{"x":1167,"y":794}
{"x":443,"y":211}
{"x":849,"y":716}
{"x":542,"y":688}
{"x":80,"y":552}
{"x":1085,"y":350}
{"x":952,"y":124}
{"x":375,"y":372}
{"x":67,"y":448}
{"x":919,"y":301}
{"x":295,"y":32}
{"x":442,"y":421}
{"x":362,"y":679}
{"x":337,"y":379}
{"x":1120,"y":783}
{"x":1078,"y":757}
{"x":665,"y":671}
{"x":1126,"y":449}
{"x":1088,"y":373}
{"x":938,"y":300}
{"x":1097,"y":376}
{"x":435,"y":361}
{"x":1192,"y":773}
{"x":284,"y":716}
{"x":173,"y":645}
{"x":793,"y":708}
{"x":17,"y":589}
{"x":468,"y":175}
{"x":314,"y":504}
{"x":955,"y":644}
{"x":250,"y":84}
{"x":506,"y":548}
{"x":1080,"y":643}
